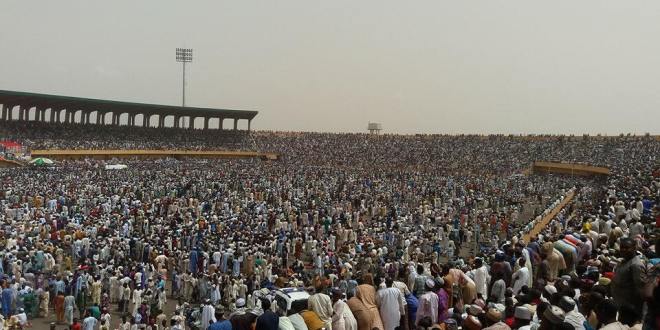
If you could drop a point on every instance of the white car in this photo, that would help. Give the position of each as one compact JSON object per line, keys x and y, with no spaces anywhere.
{"x":286,"y":296}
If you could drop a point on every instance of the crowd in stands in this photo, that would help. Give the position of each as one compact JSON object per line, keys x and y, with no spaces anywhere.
{"x":43,"y":135}
{"x":379,"y":232}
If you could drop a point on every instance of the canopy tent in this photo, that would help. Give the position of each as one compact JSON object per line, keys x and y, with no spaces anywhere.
{"x":41,"y":161}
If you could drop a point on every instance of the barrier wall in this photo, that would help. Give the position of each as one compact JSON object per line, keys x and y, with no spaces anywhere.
{"x":109,"y":154}
{"x":546,"y":220}
{"x":10,"y":163}
{"x":567,"y":168}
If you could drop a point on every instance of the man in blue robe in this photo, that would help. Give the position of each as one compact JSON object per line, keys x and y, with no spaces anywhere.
{"x":7,"y":302}
{"x":193,"y":261}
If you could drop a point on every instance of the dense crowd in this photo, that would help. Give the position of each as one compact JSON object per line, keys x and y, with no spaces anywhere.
{"x":381,"y":232}
{"x":43,"y":135}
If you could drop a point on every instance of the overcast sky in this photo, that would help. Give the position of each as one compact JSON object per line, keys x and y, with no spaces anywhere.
{"x":414,"y":66}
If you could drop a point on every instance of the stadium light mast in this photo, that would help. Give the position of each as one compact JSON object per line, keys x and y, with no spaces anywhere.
{"x":184,"y":55}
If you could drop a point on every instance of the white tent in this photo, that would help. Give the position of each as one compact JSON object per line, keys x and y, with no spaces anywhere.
{"x":115,"y":167}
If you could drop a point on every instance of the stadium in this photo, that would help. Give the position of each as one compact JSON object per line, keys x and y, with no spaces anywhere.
{"x":120,"y":208}
{"x":329,"y":165}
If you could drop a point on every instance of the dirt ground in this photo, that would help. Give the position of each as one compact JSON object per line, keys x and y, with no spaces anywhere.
{"x":43,"y":323}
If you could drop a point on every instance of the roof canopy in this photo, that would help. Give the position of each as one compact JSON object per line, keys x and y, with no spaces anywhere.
{"x":45,"y":101}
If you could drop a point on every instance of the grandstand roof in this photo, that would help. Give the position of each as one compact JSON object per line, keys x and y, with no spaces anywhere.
{"x":46,"y":101}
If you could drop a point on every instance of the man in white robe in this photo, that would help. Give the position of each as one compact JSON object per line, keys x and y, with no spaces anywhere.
{"x":343,"y":318}
{"x":137,"y":299}
{"x":208,"y":315}
{"x":115,"y":289}
{"x":520,"y":277}
{"x":391,"y":305}
{"x":481,"y":277}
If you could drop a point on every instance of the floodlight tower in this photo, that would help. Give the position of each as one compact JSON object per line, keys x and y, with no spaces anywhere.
{"x":184,"y":55}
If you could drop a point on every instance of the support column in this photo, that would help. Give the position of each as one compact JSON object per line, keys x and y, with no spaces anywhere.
{"x":191,"y":124}
{"x":161,"y":121}
{"x":52,"y":115}
{"x":145,"y":120}
{"x":3,"y":117}
{"x":177,"y":119}
{"x":42,"y":115}
{"x":221,"y":120}
{"x":249,"y":124}
{"x":206,"y":123}
{"x":235,"y":124}
{"x":99,"y":117}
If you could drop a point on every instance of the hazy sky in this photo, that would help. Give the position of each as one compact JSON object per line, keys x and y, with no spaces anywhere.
{"x":414,"y":66}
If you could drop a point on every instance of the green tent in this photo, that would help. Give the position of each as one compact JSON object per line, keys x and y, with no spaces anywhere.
{"x":41,"y":161}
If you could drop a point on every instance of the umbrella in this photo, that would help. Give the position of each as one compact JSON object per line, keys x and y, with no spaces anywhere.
{"x":41,"y":161}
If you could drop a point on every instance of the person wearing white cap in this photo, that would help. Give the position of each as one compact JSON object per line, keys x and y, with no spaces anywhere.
{"x":572,"y":316}
{"x":523,"y":317}
{"x":428,"y":304}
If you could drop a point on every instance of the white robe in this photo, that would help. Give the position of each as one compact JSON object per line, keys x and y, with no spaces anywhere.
{"x":208,"y":315}
{"x":322,"y":305}
{"x":481,"y":280}
{"x":521,"y":278}
{"x":391,"y":306}
{"x":528,"y":265}
{"x":343,"y":318}
{"x":137,"y":300}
